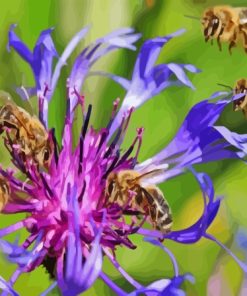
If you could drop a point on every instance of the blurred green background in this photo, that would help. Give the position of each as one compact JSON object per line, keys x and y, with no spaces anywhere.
{"x":215,"y":272}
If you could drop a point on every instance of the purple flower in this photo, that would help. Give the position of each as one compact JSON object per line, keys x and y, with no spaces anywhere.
{"x":70,"y":223}
{"x":149,"y":79}
{"x":165,"y":287}
{"x":199,"y":141}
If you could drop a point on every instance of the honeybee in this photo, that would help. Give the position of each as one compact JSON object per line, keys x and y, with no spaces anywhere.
{"x":147,"y":199}
{"x":4,"y":192}
{"x":241,"y":103}
{"x":226,"y":23}
{"x":27,"y":132}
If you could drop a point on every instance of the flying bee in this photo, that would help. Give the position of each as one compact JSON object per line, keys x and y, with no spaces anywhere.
{"x":27,"y":132}
{"x":227,"y":24}
{"x":147,"y":199}
{"x":4,"y":192}
{"x":240,"y":88}
{"x":241,"y":103}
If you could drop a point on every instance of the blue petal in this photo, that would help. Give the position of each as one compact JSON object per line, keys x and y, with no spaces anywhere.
{"x":149,"y":53}
{"x":165,"y":287}
{"x":17,"y":254}
{"x":241,"y":264}
{"x":125,"y":83}
{"x":4,"y":286}
{"x":194,"y":233}
{"x":155,"y":287}
{"x":236,"y":140}
{"x":49,"y":289}
{"x":120,"y":38}
{"x":173,"y":289}
{"x":199,"y":141}
{"x":65,"y":55}
{"x":165,"y":75}
{"x":178,"y":70}
{"x":123,"y":38}
{"x":40,"y":60}
{"x":93,"y":264}
{"x":19,"y":46}
{"x":242,"y":239}
{"x":43,"y":54}
{"x":148,"y":80}
{"x":78,"y":277}
{"x":26,"y":92}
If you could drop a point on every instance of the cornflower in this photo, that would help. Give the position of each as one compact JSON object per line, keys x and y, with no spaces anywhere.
{"x":70,"y":227}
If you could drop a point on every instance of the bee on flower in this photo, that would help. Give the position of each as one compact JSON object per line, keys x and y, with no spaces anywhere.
{"x":76,"y":198}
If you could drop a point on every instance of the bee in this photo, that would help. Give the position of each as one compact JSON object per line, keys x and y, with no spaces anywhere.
{"x":226,"y":23}
{"x":147,"y":199}
{"x":27,"y":132}
{"x":241,"y":103}
{"x":4,"y":192}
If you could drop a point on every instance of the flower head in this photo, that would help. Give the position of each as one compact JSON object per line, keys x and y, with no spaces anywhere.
{"x":70,"y":221}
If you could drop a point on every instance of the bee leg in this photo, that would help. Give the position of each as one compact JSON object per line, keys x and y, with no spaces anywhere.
{"x":153,"y":221}
{"x":206,"y":35}
{"x":231,"y":45}
{"x":245,"y":38}
{"x":139,"y":216}
{"x":153,"y":214}
{"x":161,"y":240}
{"x":219,"y":43}
{"x":24,"y":183}
{"x":218,"y":38}
{"x":233,"y":42}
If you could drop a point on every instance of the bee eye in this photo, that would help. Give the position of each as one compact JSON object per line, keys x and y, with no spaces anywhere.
{"x":110,"y":187}
{"x":46,"y":155}
{"x":5,"y":188}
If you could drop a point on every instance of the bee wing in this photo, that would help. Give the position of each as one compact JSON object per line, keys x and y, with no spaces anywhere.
{"x":240,"y":103}
{"x":24,"y":119}
{"x":149,"y":173}
{"x":243,"y":15}
{"x":160,"y":211}
{"x":245,"y":111}
{"x":244,"y":103}
{"x":5,"y":97}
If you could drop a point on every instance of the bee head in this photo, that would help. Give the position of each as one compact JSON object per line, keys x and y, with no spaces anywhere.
{"x":212,"y":25}
{"x":240,"y":87}
{"x":122,"y":180}
{"x":43,"y":155}
{"x":4,"y":186}
{"x":4,"y":192}
{"x":111,"y":183}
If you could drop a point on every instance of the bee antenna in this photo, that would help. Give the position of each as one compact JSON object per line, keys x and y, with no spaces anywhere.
{"x":224,"y":85}
{"x":25,"y":92}
{"x":146,"y":174}
{"x":193,"y":17}
{"x":22,"y":87}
